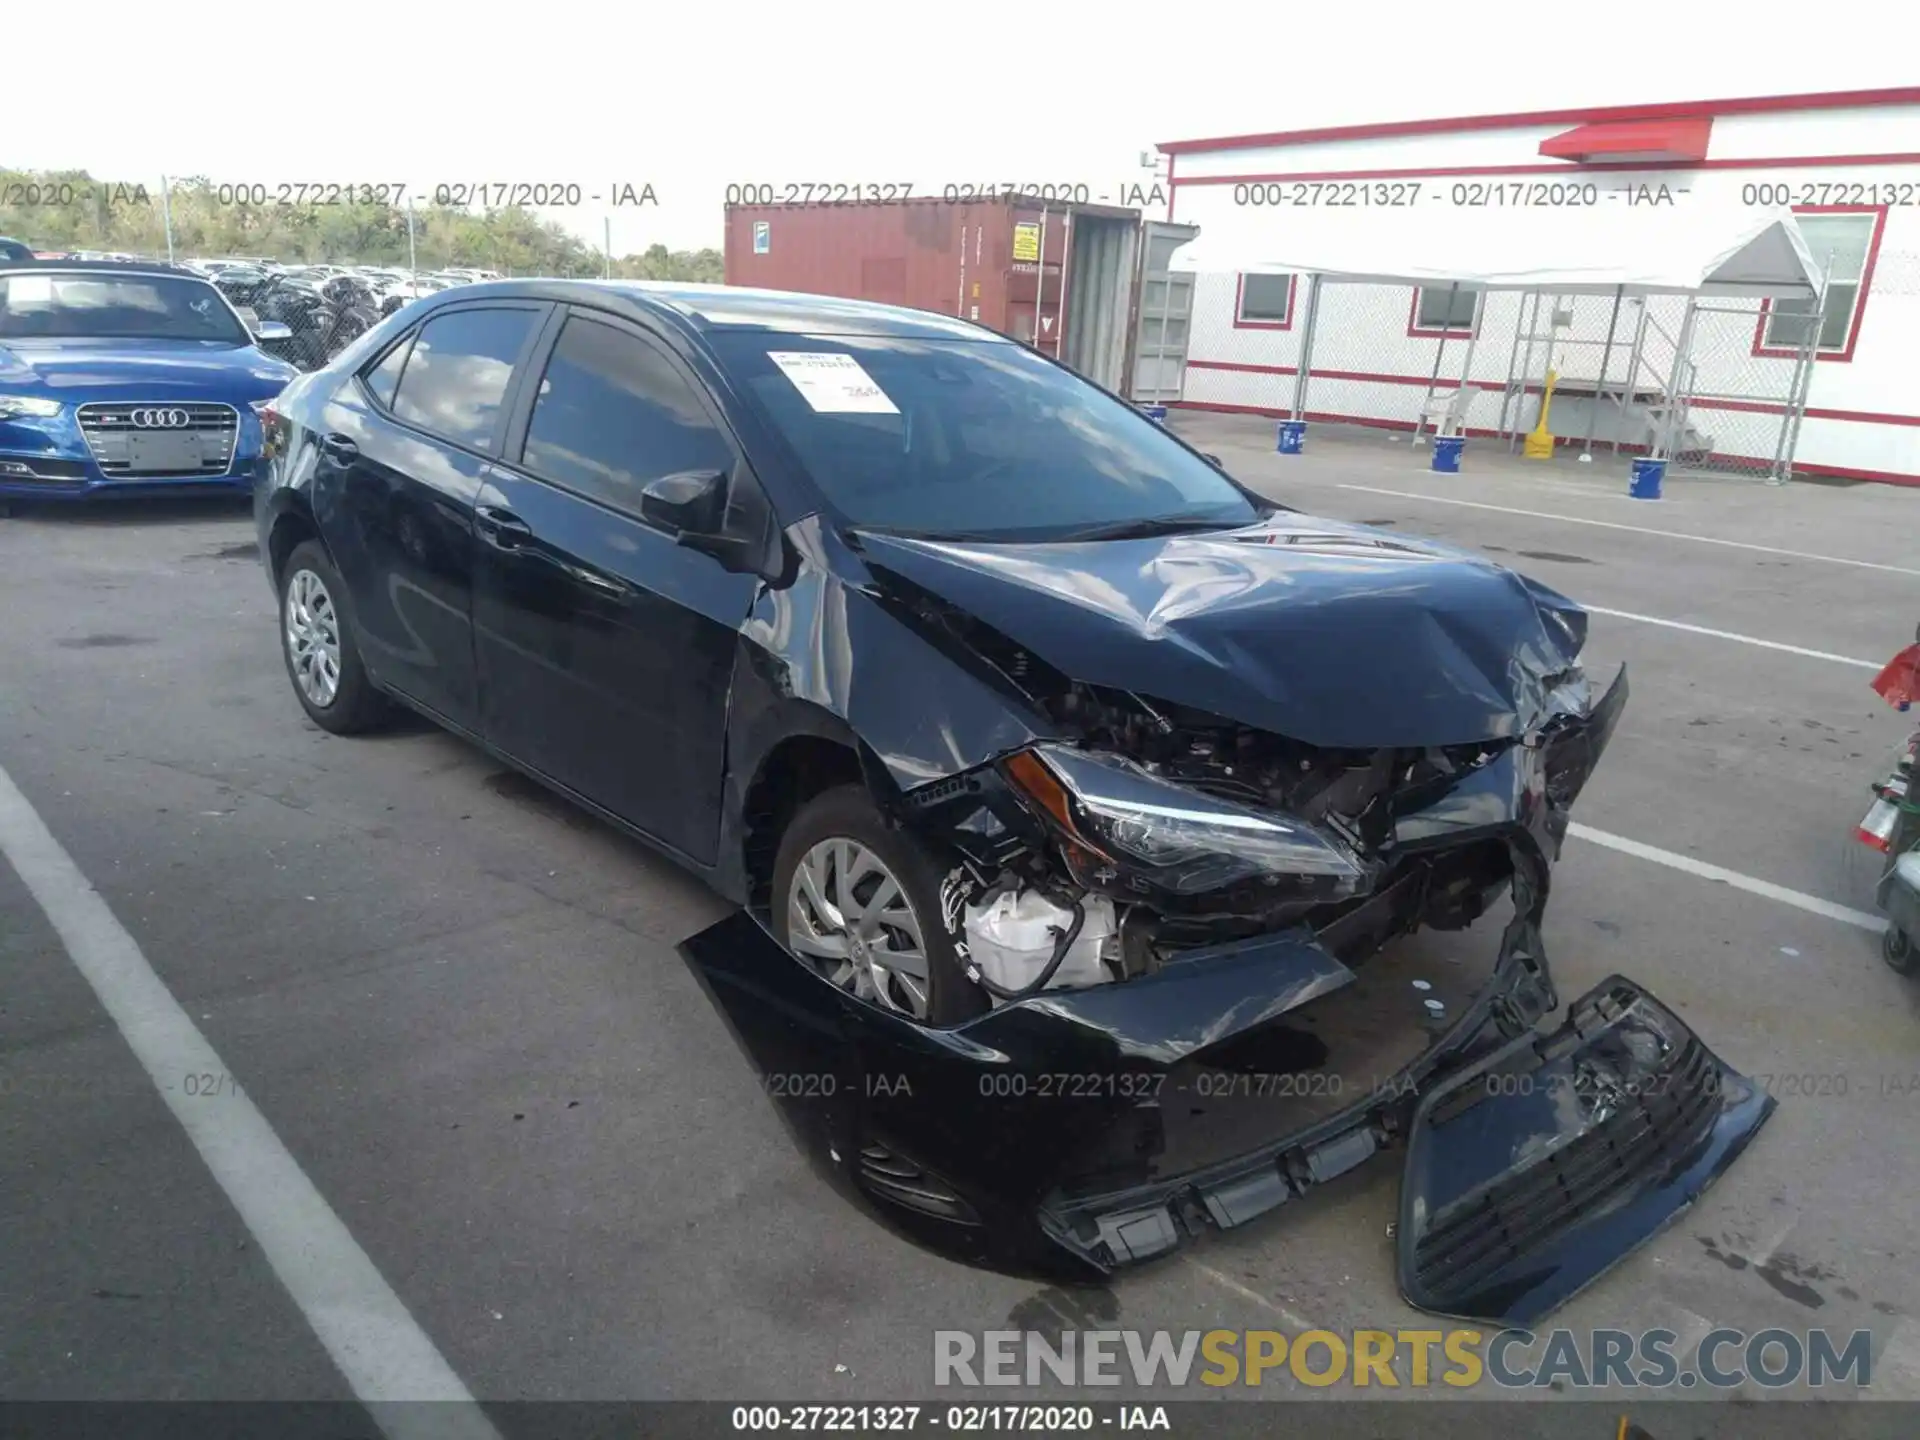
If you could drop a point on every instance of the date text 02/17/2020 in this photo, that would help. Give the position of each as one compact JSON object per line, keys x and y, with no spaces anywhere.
{"x":1036,"y":1419}
{"x":398,"y":194}
{"x":804,"y":195}
{"x":1463,"y":195}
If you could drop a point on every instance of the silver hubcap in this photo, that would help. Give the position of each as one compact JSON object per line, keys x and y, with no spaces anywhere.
{"x":313,"y":638}
{"x":848,"y":915}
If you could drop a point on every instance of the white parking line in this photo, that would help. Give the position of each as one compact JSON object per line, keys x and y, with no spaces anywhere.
{"x":1247,"y":1293}
{"x":383,"y":1354}
{"x":1636,"y":529}
{"x":1812,"y":904}
{"x":1730,"y":635}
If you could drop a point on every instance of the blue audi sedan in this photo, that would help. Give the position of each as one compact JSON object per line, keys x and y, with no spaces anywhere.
{"x":121,"y":379}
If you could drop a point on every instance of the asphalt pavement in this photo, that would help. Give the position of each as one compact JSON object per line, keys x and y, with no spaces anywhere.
{"x":456,"y":1005}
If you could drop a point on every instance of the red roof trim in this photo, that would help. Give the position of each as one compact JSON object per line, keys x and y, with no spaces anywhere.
{"x":1469,"y":172}
{"x":1650,"y":140}
{"x":1593,"y":115}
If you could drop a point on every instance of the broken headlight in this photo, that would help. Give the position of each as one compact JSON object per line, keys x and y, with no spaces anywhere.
{"x":1120,"y":821}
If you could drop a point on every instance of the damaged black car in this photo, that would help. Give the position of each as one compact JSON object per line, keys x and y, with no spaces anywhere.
{"x":1073,"y":794}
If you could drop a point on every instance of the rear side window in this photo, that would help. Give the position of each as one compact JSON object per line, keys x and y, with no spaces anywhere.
{"x":456,"y":377}
{"x":382,"y":378}
{"x":613,"y":414}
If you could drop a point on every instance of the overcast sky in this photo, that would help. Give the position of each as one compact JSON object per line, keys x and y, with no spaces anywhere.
{"x":691,"y":98}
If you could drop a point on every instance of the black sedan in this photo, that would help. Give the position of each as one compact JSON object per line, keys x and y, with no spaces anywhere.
{"x":1071,"y":791}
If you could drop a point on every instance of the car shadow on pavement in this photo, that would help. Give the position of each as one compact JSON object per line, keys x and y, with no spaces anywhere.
{"x":128,"y":511}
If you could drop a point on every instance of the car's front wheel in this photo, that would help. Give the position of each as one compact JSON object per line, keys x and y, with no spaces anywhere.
{"x":316,"y":638}
{"x":859,"y":901}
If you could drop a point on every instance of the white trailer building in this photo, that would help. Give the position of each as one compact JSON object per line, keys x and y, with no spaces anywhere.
{"x":1823,"y":386}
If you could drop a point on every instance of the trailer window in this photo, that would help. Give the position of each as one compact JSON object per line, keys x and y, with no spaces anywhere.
{"x":1444,"y":309}
{"x":1266,"y":299}
{"x":1839,"y":245}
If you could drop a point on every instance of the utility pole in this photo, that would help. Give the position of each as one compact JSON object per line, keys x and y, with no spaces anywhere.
{"x":166,"y":216}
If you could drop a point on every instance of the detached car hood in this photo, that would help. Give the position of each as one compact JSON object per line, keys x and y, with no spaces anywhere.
{"x":84,"y":370}
{"x":1332,"y":634}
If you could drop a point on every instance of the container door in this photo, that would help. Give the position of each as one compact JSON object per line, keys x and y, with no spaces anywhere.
{"x":1166,"y":314}
{"x":1099,"y":311}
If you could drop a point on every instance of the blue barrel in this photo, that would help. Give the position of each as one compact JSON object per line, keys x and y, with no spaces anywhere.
{"x":1293,"y":437}
{"x":1446,"y":453}
{"x":1647,"y":475}
{"x":1155,"y":413}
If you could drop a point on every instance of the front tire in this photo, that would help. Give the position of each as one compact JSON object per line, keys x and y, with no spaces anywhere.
{"x":1897,"y":949}
{"x":858,"y":900}
{"x":317,"y":642}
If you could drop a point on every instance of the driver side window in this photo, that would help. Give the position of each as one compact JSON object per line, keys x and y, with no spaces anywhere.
{"x":613,"y":414}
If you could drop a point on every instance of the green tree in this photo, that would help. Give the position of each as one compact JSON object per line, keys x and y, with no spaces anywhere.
{"x":72,"y":210}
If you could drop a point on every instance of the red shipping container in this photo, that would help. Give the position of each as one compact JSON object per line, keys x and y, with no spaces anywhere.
{"x":1007,"y":262}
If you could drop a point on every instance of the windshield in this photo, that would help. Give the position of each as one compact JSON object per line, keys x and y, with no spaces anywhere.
{"x":972,"y":439}
{"x":90,"y":306}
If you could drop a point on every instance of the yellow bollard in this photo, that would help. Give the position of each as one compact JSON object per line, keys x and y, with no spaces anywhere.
{"x":1539,"y":444}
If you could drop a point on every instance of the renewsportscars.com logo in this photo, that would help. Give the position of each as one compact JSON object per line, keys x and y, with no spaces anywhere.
{"x":1392,"y":1359}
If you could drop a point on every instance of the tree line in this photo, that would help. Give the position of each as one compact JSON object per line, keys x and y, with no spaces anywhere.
{"x":71,"y":210}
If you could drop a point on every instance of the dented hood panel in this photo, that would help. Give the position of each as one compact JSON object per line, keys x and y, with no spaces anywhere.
{"x":1333,"y":634}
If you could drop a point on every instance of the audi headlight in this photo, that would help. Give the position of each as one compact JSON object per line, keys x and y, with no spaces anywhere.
{"x":1115,"y":816}
{"x":24,"y":407}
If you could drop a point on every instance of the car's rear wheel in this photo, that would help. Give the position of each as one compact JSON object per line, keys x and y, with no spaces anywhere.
{"x":859,"y":901}
{"x":316,"y":638}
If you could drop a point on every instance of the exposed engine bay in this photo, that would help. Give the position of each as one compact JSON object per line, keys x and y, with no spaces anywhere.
{"x":1047,"y":907}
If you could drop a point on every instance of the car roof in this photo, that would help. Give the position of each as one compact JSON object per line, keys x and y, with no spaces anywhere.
{"x":710,"y":308}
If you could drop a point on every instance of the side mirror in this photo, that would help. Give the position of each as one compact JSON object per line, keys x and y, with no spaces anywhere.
{"x":692,"y":504}
{"x":272,"y":330}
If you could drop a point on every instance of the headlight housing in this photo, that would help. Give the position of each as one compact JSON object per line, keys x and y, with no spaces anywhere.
{"x":1119,"y":821}
{"x":27,"y":407}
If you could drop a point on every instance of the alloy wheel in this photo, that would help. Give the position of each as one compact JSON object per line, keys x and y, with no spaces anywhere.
{"x":849,"y":915}
{"x":313,"y":638}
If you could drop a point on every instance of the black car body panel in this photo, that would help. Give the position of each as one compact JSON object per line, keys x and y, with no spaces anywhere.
{"x":835,"y":646}
{"x":1419,"y":709}
{"x":1261,"y":626}
{"x":1535,"y":1170}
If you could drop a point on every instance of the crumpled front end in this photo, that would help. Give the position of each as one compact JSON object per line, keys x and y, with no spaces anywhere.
{"x":1225,"y":1042}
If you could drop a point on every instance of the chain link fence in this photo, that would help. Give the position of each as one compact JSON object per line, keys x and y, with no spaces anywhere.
{"x":1714,"y":384}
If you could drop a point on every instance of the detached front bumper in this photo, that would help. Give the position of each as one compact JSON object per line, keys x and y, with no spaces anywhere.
{"x":1099,"y":1127}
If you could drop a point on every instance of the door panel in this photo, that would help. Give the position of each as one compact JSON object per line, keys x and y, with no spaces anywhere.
{"x":605,"y":649}
{"x":396,"y":502}
{"x":398,"y":519}
{"x":1166,"y":310}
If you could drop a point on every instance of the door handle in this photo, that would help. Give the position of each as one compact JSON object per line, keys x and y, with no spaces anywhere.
{"x":340,"y":447}
{"x":501,"y":528}
{"x":594,"y":580}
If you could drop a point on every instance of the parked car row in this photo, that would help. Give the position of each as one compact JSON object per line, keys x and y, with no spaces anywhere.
{"x":326,"y":306}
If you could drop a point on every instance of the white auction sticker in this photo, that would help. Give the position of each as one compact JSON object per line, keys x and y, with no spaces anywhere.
{"x":833,"y":383}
